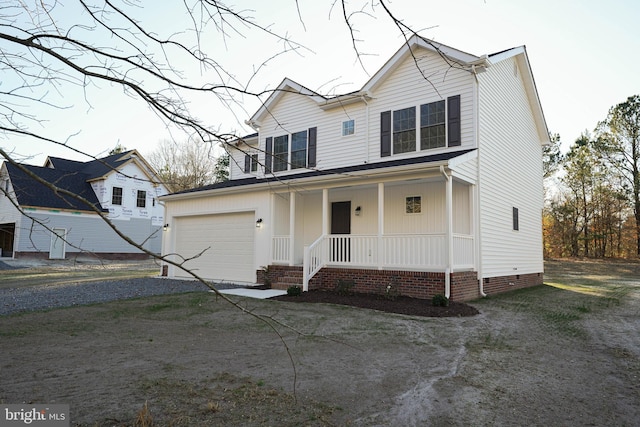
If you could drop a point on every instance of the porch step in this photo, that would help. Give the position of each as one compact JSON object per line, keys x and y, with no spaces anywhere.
{"x":290,"y":278}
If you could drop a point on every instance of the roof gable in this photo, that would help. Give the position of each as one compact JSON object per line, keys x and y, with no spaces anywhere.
{"x":522,"y":59}
{"x":450,"y":55}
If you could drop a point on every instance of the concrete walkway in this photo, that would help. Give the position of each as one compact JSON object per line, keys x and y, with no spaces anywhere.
{"x":254,"y":293}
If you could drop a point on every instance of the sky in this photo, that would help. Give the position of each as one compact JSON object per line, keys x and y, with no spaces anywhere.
{"x":584,"y":57}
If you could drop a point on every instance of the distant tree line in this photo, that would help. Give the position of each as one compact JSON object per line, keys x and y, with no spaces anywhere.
{"x":592,"y":204}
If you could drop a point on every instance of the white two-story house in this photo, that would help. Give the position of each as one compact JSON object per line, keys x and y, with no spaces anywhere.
{"x":36,"y":221}
{"x":427,"y":179}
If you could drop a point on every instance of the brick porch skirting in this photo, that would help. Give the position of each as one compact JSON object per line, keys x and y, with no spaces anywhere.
{"x":415,"y":284}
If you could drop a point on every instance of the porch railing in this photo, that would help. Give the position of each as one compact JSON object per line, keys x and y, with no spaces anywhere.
{"x":280,"y":250}
{"x":411,"y":251}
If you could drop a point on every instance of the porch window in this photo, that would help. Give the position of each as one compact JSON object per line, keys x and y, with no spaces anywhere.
{"x":141,"y":199}
{"x":404,"y":130}
{"x":299,"y":150}
{"x":280,"y":153}
{"x":432,"y":129}
{"x":116,"y":196}
{"x":413,"y":204}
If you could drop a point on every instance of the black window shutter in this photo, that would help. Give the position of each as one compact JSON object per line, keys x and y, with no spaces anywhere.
{"x":453,"y":128}
{"x":247,"y":163}
{"x":516,"y":219}
{"x":268,"y":155}
{"x":385,"y":134}
{"x":311,"y":154}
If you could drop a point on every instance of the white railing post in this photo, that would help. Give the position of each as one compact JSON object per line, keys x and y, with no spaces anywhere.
{"x":305,"y":269}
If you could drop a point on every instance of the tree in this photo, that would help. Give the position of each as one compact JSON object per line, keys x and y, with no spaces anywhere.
{"x":551,"y":156}
{"x":188,"y":164}
{"x":619,"y":143}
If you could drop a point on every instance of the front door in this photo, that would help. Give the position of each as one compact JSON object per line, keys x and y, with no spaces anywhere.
{"x":7,"y":232}
{"x":341,"y":224}
{"x":57,"y":243}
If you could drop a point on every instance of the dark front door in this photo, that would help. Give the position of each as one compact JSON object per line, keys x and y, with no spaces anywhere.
{"x":7,"y":232}
{"x":341,"y":224}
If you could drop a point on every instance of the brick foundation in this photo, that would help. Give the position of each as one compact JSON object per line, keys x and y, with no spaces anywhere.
{"x":496,"y":285}
{"x":415,"y":284}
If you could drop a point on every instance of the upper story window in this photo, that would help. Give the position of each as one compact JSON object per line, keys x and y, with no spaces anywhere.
{"x":299,"y":150}
{"x":404,"y":130}
{"x":282,"y":156}
{"x":438,"y":126}
{"x":432,"y":131}
{"x":141,"y":199}
{"x":348,"y":127}
{"x":116,"y":196}
{"x":250,"y":162}
{"x":280,"y":153}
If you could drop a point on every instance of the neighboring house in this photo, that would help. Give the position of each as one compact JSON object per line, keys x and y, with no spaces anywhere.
{"x":121,"y":187}
{"x":428,"y":180}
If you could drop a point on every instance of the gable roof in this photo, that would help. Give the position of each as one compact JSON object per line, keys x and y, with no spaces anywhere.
{"x":522,"y":58}
{"x":451,"y":55}
{"x":32,"y":193}
{"x":99,"y":168}
{"x":429,"y":160}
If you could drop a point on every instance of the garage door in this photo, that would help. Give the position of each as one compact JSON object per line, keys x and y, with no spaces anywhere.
{"x":228,"y":240}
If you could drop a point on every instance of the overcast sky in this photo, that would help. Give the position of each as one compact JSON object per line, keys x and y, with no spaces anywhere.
{"x":584,"y":55}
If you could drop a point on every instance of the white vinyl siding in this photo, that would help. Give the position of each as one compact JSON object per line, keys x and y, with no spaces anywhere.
{"x":87,"y":232}
{"x":406,"y":87}
{"x":510,"y":158}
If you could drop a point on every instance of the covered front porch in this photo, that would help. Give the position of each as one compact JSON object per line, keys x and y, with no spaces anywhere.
{"x":419,"y":222}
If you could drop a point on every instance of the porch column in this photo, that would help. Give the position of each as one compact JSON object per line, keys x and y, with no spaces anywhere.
{"x":325,"y":211}
{"x":292,"y":226}
{"x":380,"y":225}
{"x":449,"y":232}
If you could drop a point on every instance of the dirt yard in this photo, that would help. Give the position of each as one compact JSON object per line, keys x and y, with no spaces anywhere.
{"x":567,"y":353}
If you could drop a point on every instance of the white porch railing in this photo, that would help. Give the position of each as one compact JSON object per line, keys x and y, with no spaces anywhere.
{"x":280,"y":249}
{"x":414,"y":251}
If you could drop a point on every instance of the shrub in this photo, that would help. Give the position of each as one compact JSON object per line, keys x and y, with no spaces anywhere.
{"x":345,"y":287}
{"x":294,"y":291}
{"x":440,"y":301}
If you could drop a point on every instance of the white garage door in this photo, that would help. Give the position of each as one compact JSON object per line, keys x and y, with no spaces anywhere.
{"x":228,"y":240}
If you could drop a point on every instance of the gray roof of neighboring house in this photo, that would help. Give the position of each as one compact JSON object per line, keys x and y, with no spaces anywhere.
{"x":70,"y":175}
{"x":336,"y":171}
{"x":95,"y":168}
{"x":30,"y":192}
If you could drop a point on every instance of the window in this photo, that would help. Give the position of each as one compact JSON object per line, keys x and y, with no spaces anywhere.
{"x":404,"y":130}
{"x":516,"y":220}
{"x":439,"y":126}
{"x":116,"y":196}
{"x":280,"y":153}
{"x":250,"y":163}
{"x":413,"y":204}
{"x":299,"y":150}
{"x":348,"y":127}
{"x":141,"y":199}
{"x":432,"y":129}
